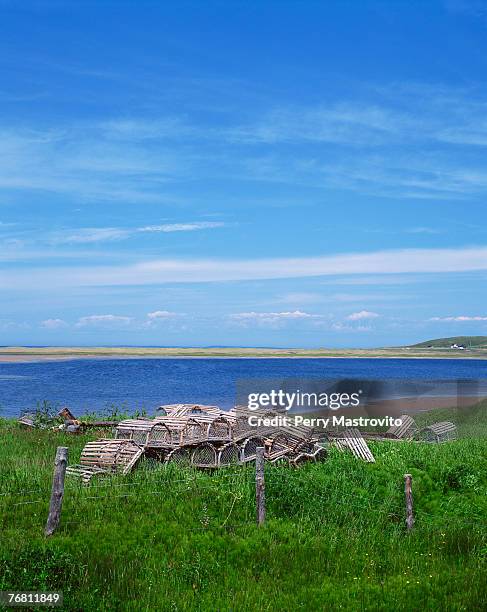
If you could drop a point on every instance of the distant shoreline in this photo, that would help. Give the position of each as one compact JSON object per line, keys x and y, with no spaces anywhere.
{"x":33,"y":355}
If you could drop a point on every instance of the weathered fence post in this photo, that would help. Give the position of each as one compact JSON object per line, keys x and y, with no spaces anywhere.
{"x":408,"y":494}
{"x":260,"y":485}
{"x":57,"y":492}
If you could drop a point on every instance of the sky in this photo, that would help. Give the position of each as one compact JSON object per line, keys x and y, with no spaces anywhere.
{"x":258,"y":173}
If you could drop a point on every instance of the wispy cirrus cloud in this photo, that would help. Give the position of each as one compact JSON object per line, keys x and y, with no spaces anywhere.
{"x":182,"y":227}
{"x":87,"y":235}
{"x":81,"y":162}
{"x":373,"y":143}
{"x":34,"y":249}
{"x":458,"y":319}
{"x":343,"y":123}
{"x":362,"y":144}
{"x":423,"y":230}
{"x":403,"y":113}
{"x":196,"y":270}
{"x":418,"y":177}
{"x":141,"y":128}
{"x":108,"y":234}
{"x":411,"y":176}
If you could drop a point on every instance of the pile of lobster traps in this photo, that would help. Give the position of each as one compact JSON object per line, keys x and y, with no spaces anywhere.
{"x":208,"y":437}
{"x":200,"y":436}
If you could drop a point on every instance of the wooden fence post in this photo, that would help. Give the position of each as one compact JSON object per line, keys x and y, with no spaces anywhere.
{"x":57,"y":492}
{"x":408,"y":494}
{"x":260,"y":485}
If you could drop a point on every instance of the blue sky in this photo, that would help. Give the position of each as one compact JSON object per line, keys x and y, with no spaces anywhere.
{"x":242,"y":173}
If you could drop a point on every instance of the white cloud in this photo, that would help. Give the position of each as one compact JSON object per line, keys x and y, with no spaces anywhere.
{"x":418,"y":176}
{"x":406,"y":176}
{"x":181,"y":227}
{"x":161,"y":314}
{"x":407,"y":113}
{"x":218,"y":270}
{"x":345,"y":123}
{"x":54,"y":324}
{"x":108,"y":234}
{"x":459,"y":318}
{"x":363,"y":314}
{"x":423,"y":230}
{"x":296,"y":314}
{"x":81,"y":162}
{"x":131,"y":158}
{"x":101,"y":320}
{"x":143,"y":129}
{"x":19,"y":253}
{"x":90,"y":234}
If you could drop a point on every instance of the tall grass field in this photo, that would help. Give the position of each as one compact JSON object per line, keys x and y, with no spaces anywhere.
{"x":168,"y":538}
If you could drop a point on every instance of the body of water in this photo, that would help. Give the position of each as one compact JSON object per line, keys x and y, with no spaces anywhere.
{"x":93,"y":384}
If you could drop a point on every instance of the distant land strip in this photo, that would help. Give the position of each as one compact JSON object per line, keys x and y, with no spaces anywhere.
{"x":430,"y":351}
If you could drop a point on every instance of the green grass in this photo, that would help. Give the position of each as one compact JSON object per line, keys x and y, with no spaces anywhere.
{"x":471,"y":421}
{"x":170,"y":539}
{"x":468,"y":341}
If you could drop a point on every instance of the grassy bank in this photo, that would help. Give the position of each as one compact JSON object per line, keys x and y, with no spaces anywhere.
{"x":170,"y":539}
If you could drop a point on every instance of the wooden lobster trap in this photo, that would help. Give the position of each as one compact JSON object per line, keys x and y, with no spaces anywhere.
{"x":133,"y":429}
{"x":146,"y":432}
{"x":188,"y":410}
{"x":351,"y":439}
{"x":159,"y":436}
{"x":405,"y":431}
{"x":249,"y":448}
{"x":180,"y":456}
{"x":442,"y":431}
{"x":228,"y":455}
{"x":204,"y":456}
{"x":220,"y":428}
{"x":105,"y":457}
{"x":193,"y":431}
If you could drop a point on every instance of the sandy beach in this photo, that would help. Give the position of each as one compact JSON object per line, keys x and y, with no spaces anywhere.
{"x":36,"y":354}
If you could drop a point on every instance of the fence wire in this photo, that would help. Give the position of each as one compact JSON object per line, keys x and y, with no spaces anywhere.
{"x":195,"y":483}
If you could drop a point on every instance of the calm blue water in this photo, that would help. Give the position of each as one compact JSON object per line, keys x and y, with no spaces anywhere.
{"x":92,"y":384}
